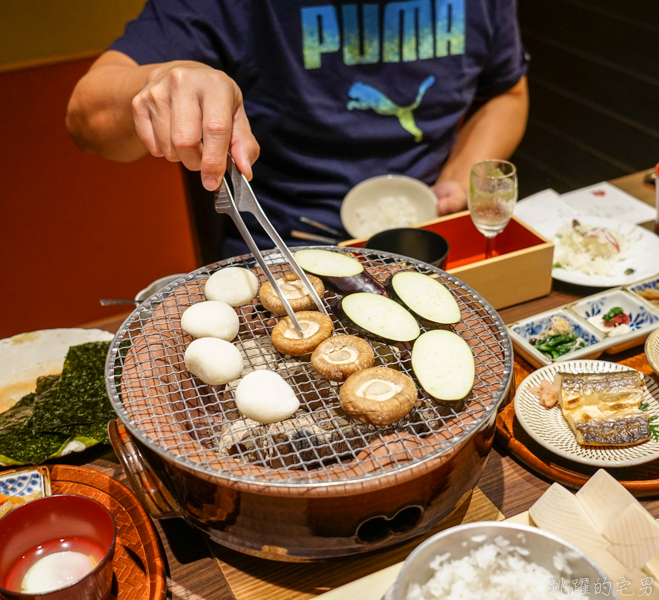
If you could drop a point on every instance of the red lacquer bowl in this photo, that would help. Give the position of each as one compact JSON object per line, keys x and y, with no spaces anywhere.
{"x":47,"y":521}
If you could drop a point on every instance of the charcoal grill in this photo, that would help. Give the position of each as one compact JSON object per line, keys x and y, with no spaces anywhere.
{"x":318,"y":485}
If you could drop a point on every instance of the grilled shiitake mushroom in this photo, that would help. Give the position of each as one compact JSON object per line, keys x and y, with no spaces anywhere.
{"x":294,"y":290}
{"x":340,"y":356}
{"x":315,"y":326}
{"x":378,"y":395}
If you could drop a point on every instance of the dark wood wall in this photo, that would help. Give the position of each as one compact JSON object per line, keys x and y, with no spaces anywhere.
{"x":594,"y":87}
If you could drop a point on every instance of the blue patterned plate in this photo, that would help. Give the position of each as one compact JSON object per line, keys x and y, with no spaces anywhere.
{"x":642,"y":318}
{"x":650,"y":285}
{"x":523,"y":331}
{"x":25,"y":484}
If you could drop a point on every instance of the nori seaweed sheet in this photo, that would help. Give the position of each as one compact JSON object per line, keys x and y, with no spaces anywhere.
{"x":82,"y":405}
{"x":71,"y":405}
{"x":18,"y":441}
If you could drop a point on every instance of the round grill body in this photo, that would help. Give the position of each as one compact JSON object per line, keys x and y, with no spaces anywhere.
{"x":318,"y":485}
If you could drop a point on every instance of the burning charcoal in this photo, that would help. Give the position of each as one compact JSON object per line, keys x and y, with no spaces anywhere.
{"x":258,"y":353}
{"x":298,"y":440}
{"x":244,"y":440}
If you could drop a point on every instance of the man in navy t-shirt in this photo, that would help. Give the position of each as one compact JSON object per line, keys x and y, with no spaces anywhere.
{"x":334,"y":92}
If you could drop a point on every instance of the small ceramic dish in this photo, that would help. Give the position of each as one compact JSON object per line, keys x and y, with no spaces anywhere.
{"x":36,"y":531}
{"x":523,"y":331}
{"x":651,"y":286}
{"x":549,"y":428}
{"x":23,"y":483}
{"x":642,"y":318}
{"x":365,"y":203}
{"x":153,"y":287}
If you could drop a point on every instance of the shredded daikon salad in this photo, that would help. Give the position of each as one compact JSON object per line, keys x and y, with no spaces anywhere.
{"x":386,"y":213}
{"x":591,"y":250}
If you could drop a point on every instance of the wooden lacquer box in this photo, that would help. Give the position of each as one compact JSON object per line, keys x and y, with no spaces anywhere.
{"x":519,"y":270}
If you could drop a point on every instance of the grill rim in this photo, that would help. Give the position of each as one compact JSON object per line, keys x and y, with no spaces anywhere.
{"x":252,"y":483}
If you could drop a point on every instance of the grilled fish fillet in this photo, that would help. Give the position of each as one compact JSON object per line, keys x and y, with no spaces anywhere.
{"x":603,"y":409}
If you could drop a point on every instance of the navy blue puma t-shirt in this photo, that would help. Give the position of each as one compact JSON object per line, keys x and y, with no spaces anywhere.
{"x":337,"y":92}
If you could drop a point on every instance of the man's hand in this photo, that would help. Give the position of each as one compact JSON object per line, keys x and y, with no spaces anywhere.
{"x":183,"y":110}
{"x":451,"y":197}
{"x":185,"y":102}
{"x":494,"y":131}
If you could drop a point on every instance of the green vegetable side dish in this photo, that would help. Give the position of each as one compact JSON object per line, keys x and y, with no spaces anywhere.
{"x":65,"y":408}
{"x":554,"y":346}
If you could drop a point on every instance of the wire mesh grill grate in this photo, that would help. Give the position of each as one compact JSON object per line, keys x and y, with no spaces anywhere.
{"x":198,"y":426}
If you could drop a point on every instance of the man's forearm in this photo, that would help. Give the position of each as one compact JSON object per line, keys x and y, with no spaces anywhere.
{"x":100,"y":115}
{"x":494,"y":131}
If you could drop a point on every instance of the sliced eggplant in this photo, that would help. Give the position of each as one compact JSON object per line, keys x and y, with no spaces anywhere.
{"x":444,"y":365}
{"x":340,"y":273}
{"x":425,"y":297}
{"x":377,"y":317}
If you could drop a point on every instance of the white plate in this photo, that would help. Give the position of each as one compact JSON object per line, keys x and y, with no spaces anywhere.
{"x":368,"y":194}
{"x":550,"y":430}
{"x":26,"y":356}
{"x":643,"y":258}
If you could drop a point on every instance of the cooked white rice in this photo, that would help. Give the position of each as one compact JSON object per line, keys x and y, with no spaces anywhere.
{"x":386,"y":213}
{"x":495,"y":571}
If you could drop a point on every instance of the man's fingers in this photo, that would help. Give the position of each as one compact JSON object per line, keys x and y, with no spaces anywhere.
{"x":245,"y":149}
{"x":144,"y":127}
{"x":217,"y":122}
{"x":186,"y":129}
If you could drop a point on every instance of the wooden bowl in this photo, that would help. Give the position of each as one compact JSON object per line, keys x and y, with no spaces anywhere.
{"x":56,"y":519}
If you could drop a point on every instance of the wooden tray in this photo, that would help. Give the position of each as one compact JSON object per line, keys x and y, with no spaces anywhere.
{"x":139,"y":566}
{"x":519,"y":269}
{"x":641,"y":480}
{"x":250,"y":578}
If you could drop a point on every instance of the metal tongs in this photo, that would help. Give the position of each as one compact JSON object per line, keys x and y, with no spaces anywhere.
{"x":244,"y":200}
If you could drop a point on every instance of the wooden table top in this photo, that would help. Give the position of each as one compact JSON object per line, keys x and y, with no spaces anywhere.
{"x":505,"y":481}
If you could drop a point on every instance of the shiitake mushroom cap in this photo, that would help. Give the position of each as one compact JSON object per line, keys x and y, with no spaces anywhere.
{"x":358,"y":355}
{"x":355,"y":392}
{"x":284,"y":336}
{"x":271,"y":301}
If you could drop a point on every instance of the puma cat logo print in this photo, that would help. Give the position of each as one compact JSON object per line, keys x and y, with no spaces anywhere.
{"x":365,"y":97}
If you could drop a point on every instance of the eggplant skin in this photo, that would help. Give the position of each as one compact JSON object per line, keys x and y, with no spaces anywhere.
{"x":426,"y":321}
{"x":391,"y":292}
{"x":362,"y":282}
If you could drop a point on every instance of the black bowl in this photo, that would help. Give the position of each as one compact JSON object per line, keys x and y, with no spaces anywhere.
{"x":422,"y":244}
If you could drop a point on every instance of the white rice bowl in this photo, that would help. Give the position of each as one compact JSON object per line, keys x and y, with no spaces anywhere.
{"x":494,"y":571}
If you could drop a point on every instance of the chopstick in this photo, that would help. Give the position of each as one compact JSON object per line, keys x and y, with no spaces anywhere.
{"x":312,"y":237}
{"x":244,"y":200}
{"x":320,"y":226}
